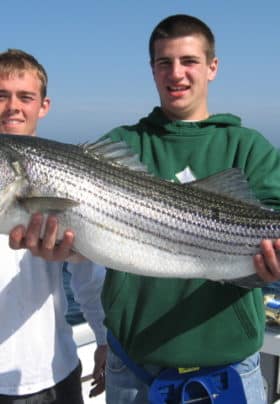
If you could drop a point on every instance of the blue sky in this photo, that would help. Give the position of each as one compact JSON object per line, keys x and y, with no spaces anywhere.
{"x":96,"y":55}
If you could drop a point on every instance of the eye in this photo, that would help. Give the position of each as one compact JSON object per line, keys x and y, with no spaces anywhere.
{"x":163,"y":62}
{"x":27,"y":98}
{"x":189,"y":61}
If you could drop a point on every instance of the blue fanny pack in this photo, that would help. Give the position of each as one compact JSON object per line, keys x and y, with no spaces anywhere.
{"x":217,"y":385}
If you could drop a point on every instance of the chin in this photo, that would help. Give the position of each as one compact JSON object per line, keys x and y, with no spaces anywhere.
{"x":178,"y":114}
{"x":14,"y":131}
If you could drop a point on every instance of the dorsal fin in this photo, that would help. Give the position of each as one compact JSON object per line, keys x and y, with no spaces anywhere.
{"x":119,"y":153}
{"x":231,"y":183}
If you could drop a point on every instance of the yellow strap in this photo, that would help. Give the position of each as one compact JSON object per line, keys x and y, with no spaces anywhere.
{"x":188,"y":370}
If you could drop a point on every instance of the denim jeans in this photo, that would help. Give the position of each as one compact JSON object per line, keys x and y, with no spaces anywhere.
{"x":123,"y":387}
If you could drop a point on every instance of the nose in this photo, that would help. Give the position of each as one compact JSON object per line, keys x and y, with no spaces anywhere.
{"x":177,"y":70}
{"x":13,"y":104}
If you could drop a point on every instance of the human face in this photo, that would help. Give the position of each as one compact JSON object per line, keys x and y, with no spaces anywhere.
{"x":182,"y":73}
{"x":21,"y":103}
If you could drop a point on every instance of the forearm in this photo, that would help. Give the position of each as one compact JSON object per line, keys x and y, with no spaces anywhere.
{"x":87,"y":283}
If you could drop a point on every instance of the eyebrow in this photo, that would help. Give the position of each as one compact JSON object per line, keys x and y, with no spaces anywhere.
{"x":184,"y":57}
{"x":21,"y":92}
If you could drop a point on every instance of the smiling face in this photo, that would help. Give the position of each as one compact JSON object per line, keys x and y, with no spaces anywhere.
{"x":21,"y":103}
{"x":182,"y":73}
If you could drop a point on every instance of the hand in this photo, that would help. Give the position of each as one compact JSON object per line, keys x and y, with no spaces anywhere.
{"x":268,"y":262}
{"x":46,"y":247}
{"x":98,"y":374}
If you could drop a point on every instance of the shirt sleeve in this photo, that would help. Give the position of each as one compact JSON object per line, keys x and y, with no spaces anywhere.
{"x":263,"y":171}
{"x":86,"y":282}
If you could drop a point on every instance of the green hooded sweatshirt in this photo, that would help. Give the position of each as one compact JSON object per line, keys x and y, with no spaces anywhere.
{"x":186,"y":323}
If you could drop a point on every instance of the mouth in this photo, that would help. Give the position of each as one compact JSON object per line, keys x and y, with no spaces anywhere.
{"x":177,"y":90}
{"x":11,"y":122}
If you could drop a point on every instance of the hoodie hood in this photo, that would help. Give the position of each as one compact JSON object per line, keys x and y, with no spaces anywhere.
{"x":158,"y":119}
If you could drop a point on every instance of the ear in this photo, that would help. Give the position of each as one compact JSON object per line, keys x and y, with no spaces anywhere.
{"x":44,"y":109}
{"x":213,"y":68}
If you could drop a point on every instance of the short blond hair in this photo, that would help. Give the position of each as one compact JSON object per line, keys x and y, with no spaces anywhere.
{"x":18,"y":61}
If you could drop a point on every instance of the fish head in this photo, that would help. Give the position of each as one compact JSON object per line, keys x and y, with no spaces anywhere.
{"x":13,"y":180}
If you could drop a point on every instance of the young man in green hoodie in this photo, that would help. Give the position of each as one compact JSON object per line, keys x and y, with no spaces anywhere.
{"x":175,"y":323}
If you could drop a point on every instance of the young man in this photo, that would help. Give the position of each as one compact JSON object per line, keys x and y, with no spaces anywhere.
{"x":175,"y":323}
{"x":38,"y":356}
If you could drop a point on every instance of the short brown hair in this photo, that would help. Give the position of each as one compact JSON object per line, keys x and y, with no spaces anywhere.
{"x":180,"y":25}
{"x":16,"y":60}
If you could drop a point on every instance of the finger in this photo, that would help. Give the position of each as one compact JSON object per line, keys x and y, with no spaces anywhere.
{"x":262,"y":270}
{"x":99,"y":387}
{"x":32,"y":236}
{"x":66,"y":244}
{"x":17,"y":238}
{"x":277,"y":246}
{"x":271,"y":258}
{"x":63,"y":250}
{"x":96,"y":391}
{"x":50,"y":234}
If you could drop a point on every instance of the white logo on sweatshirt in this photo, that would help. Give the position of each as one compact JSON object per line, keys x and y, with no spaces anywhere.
{"x":185,"y":176}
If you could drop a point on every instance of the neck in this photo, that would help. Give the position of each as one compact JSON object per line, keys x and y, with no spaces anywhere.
{"x":186,"y":116}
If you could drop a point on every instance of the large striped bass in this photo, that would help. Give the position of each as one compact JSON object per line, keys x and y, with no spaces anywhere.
{"x":129,"y":220}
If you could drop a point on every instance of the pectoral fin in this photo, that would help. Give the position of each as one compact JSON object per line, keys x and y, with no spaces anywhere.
{"x":47,"y":204}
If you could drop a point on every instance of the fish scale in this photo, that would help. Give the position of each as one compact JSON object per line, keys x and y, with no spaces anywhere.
{"x":132,"y":221}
